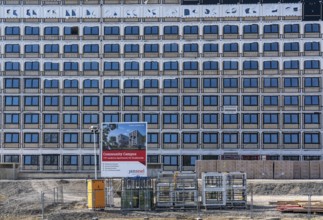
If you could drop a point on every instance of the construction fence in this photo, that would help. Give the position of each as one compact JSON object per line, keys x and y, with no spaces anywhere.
{"x":264,"y":169}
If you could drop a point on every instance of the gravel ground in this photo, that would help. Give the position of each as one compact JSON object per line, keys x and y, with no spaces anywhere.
{"x":21,"y":200}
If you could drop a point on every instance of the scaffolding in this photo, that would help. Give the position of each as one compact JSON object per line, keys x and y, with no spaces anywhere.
{"x":224,"y":189}
{"x":137,"y":194}
{"x":176,"y":191}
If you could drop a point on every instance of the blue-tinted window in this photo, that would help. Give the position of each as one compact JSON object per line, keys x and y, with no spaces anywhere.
{"x":32,"y":48}
{"x":113,"y":30}
{"x":171,"y":30}
{"x":170,"y":100}
{"x":293,"y":46}
{"x":151,"y":100}
{"x":311,"y":82}
{"x":270,"y":100}
{"x":271,"y":65}
{"x":190,"y":119}
{"x":290,"y":118}
{"x":113,"y":117}
{"x":270,"y":138}
{"x":170,"y":83}
{"x":250,"y":100}
{"x":90,"y":100}
{"x":51,"y":118}
{"x":230,"y":47}
{"x":71,"y":66}
{"x":12,"y":66}
{"x":31,"y":138}
{"x":151,"y":48}
{"x":12,"y":83}
{"x":270,"y":118}
{"x":70,"y":101}
{"x":311,"y":100}
{"x":151,"y":65}
{"x":250,"y":118}
{"x":191,"y":29}
{"x":210,"y":83}
{"x":210,"y":138}
{"x":12,"y":100}
{"x":210,"y":100}
{"x":190,"y":65}
{"x":70,"y":118}
{"x":151,"y":83}
{"x":170,"y":118}
{"x":51,"y":30}
{"x":230,"y":83}
{"x":90,"y":118}
{"x":11,"y":137}
{"x":171,"y":138}
{"x":230,"y":100}
{"x":110,"y":66}
{"x":131,"y":83}
{"x":151,"y":118}
{"x":312,"y":64}
{"x":31,"y":83}
{"x":190,"y":100}
{"x":291,"y":28}
{"x":312,"y":118}
{"x":91,"y":48}
{"x":91,"y":30}
{"x":250,"y":29}
{"x":250,"y":65}
{"x":250,"y":82}
{"x":171,"y":65}
{"x":230,"y":65}
{"x":270,"y":47}
{"x":312,"y":28}
{"x":71,"y":48}
{"x":111,"y":83}
{"x":291,"y":100}
{"x":210,"y":48}
{"x":250,"y":138}
{"x":70,"y":138}
{"x":12,"y":30}
{"x":51,"y":100}
{"x":111,"y":48}
{"x":51,"y":48}
{"x":151,"y":30}
{"x":31,"y":100}
{"x":12,"y":48}
{"x":229,"y":138}
{"x":31,"y":30}
{"x":170,"y":48}
{"x":250,"y":47}
{"x":131,"y":30}
{"x":90,"y":66}
{"x":230,"y":29}
{"x":90,"y":83}
{"x":131,"y":100}
{"x":311,"y":138}
{"x":71,"y":83}
{"x":190,"y":138}
{"x":270,"y":82}
{"x":191,"y":48}
{"x":210,"y":118}
{"x":210,"y":29}
{"x":11,"y":118}
{"x":230,"y":118}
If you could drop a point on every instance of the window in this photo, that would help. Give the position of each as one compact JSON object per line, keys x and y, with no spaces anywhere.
{"x":190,"y":65}
{"x":271,"y":47}
{"x":151,"y":65}
{"x":31,"y":100}
{"x":250,"y":47}
{"x":190,"y":118}
{"x":311,"y":100}
{"x":31,"y":160}
{"x":312,"y":28}
{"x":90,"y":100}
{"x":71,"y":66}
{"x":250,"y":100}
{"x":109,"y":66}
{"x":190,"y":100}
{"x":51,"y":30}
{"x":152,"y":138}
{"x":31,"y":138}
{"x":12,"y":66}
{"x":32,"y":83}
{"x":70,"y":138}
{"x":229,"y":138}
{"x":169,"y":48}
{"x":70,"y":160}
{"x":170,"y":118}
{"x":210,"y":65}
{"x":270,"y":100}
{"x":12,"y":101}
{"x":232,"y":47}
{"x":88,"y":138}
{"x":171,"y":30}
{"x":11,"y":83}
{"x":312,"y":64}
{"x":12,"y":30}
{"x":230,"y":118}
{"x":51,"y":118}
{"x":171,"y":160}
{"x":131,"y":48}
{"x":132,"y":66}
{"x":270,"y":65}
{"x":12,"y":48}
{"x":111,"y":100}
{"x":170,"y":138}
{"x":71,"y":48}
{"x":250,"y":29}
{"x":291,"y":118}
{"x":151,"y":118}
{"x":71,"y":30}
{"x":172,"y":65}
{"x":51,"y":100}
{"x":91,"y":30}
{"x":151,"y":30}
{"x":11,"y":118}
{"x":290,"y":100}
{"x":90,"y":83}
{"x":131,"y":30}
{"x":49,"y":66}
{"x":88,"y":160}
{"x":151,"y":100}
{"x":51,"y":83}
{"x":250,"y":83}
{"x":131,"y":83}
{"x":151,"y":83}
{"x":191,"y":29}
{"x":11,"y":137}
{"x":170,"y":83}
{"x":111,"y":48}
{"x":31,"y":66}
{"x":291,"y":28}
{"x":90,"y":119}
{"x":250,"y":65}
{"x":291,"y":138}
{"x":151,"y":48}
{"x":230,"y":83}
{"x":11,"y":158}
{"x":270,"y":138}
{"x":291,"y":82}
{"x":250,"y":118}
{"x":210,"y":118}
{"x":312,"y":118}
{"x":32,"y":48}
{"x":270,"y":118}
{"x":170,"y":100}
{"x":190,"y":138}
{"x":71,"y":100}
{"x":131,"y":100}
{"x":312,"y":46}
{"x":111,"y":30}
{"x":210,"y":48}
{"x":272,"y":28}
{"x":210,"y":100}
{"x":230,"y":100}
{"x":190,"y":83}
{"x":210,"y":83}
{"x":230,"y":65}
{"x":210,"y":29}
{"x":111,"y":83}
{"x":190,"y":48}
{"x":70,"y":118}
{"x":111,"y":117}
{"x":230,"y":29}
{"x":270,"y":82}
{"x":91,"y":48}
{"x":210,"y":138}
{"x":31,"y":30}
{"x":250,"y":138}
{"x":71,"y":83}
{"x":312,"y":138}
{"x":294,"y":46}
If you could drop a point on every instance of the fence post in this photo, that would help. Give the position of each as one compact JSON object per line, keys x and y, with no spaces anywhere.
{"x":309,"y":207}
{"x":54,"y":194}
{"x":42,"y":204}
{"x":251,"y":201}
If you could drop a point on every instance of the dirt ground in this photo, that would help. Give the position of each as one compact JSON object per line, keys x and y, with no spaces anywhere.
{"x":21,"y":200}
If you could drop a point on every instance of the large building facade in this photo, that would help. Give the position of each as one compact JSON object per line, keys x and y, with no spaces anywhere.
{"x":213,"y":81}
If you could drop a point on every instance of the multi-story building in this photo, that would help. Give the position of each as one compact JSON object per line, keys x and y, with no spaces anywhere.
{"x":214,"y":79}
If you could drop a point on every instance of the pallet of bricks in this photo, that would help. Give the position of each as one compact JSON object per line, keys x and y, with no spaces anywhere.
{"x":176,"y":191}
{"x":224,"y":189}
